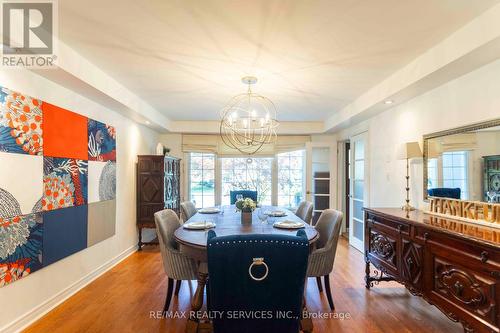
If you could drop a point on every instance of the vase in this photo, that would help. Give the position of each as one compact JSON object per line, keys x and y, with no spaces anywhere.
{"x":246,"y":218}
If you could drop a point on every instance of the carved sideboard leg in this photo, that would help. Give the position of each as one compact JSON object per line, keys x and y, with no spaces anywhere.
{"x":377,"y":277}
{"x":367,"y":272}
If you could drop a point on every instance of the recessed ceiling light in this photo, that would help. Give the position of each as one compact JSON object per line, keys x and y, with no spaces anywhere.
{"x":148,"y":122}
{"x":389,"y":101}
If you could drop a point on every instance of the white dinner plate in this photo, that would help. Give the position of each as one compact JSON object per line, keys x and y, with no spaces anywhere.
{"x":287,"y":224}
{"x":199,"y":225}
{"x":211,"y":210}
{"x":277,"y":213}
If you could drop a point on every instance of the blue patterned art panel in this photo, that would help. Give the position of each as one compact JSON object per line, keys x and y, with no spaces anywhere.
{"x":102,"y":141}
{"x":21,"y":242}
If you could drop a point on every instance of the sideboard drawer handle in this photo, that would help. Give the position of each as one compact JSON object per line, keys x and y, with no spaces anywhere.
{"x":484,"y":256}
{"x":426,"y":236}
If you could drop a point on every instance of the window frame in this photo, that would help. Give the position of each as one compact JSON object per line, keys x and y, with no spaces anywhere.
{"x":247,"y":170}
{"x":465,"y":155}
{"x":218,"y":175}
{"x":304,"y":175}
{"x":188,"y":176}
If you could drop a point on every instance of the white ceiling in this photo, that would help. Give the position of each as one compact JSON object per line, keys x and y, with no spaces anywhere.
{"x":186,"y":58}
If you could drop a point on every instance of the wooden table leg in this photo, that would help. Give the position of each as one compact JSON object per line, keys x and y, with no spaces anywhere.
{"x":306,"y":324}
{"x":197,"y":301}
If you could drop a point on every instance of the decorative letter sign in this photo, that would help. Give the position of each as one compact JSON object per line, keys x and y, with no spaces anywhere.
{"x":470,"y":211}
{"x":57,"y":184}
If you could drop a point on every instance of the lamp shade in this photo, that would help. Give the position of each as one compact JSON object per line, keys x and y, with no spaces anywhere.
{"x":409,"y":150}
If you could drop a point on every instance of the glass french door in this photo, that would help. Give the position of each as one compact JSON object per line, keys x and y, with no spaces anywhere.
{"x":321,"y":166}
{"x":358,"y":197}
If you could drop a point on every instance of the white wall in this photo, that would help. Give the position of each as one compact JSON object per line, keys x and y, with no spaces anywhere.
{"x":33,"y":295}
{"x":471,"y":98}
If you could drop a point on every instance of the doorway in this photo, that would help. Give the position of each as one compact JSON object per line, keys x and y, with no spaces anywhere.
{"x":347,"y":182}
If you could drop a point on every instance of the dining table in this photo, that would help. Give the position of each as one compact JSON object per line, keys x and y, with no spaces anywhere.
{"x":227,"y":221}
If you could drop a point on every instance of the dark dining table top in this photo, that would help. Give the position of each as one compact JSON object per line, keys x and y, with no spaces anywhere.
{"x":228,"y":223}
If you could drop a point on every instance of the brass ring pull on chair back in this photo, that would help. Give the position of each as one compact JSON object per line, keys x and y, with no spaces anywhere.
{"x":258,"y":262}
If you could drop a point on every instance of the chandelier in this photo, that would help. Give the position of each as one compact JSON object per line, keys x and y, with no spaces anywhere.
{"x":248,"y":121}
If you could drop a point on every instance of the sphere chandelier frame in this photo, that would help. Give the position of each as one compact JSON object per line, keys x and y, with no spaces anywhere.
{"x":248,"y":121}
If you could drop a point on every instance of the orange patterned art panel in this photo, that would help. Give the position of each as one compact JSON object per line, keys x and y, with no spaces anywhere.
{"x":64,"y":133}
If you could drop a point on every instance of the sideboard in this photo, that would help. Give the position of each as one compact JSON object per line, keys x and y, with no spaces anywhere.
{"x":453,"y":265}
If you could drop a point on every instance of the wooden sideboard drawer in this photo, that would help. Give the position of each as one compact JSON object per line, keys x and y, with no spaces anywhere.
{"x":387,"y":224}
{"x":466,"y":291}
{"x":479,"y":258}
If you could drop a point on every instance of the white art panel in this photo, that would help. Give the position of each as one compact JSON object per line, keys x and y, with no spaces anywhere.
{"x":21,"y":184}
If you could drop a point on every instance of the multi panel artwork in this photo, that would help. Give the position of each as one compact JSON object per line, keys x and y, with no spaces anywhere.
{"x":57,"y":184}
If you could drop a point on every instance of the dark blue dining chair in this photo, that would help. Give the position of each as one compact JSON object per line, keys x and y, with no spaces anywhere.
{"x":443,"y":192}
{"x":245,"y":193}
{"x":261,"y":275}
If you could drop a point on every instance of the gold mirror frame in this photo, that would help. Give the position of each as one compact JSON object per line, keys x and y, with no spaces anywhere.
{"x":458,"y":130}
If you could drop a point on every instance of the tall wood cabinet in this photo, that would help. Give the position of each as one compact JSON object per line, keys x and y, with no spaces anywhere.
{"x":158,"y":187}
{"x":491,"y":178}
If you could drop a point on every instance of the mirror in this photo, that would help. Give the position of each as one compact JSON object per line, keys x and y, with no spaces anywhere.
{"x":464,"y":163}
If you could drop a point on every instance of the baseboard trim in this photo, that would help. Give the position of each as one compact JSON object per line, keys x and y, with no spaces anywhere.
{"x":39,"y":311}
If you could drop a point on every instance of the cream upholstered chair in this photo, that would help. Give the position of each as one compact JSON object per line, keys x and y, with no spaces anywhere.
{"x":177,"y":266}
{"x":305,"y":211}
{"x":322,"y":258}
{"x":188,"y":209}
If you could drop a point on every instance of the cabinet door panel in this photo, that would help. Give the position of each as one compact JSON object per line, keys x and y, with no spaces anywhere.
{"x":383,"y":248}
{"x":465,"y":289}
{"x":412,"y":263}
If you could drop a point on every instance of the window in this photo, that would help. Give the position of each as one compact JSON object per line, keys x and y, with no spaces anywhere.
{"x":432,"y":173}
{"x":202,"y":179}
{"x":247,"y":174}
{"x":455,"y":170}
{"x":290,"y":178}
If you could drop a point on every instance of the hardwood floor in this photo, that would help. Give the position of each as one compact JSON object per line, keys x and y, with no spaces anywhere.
{"x":122,"y":299}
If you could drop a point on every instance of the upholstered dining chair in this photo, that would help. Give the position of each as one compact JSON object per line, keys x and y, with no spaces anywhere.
{"x":258,"y":274}
{"x":305,"y":211}
{"x":453,"y":193}
{"x":177,"y":266}
{"x":245,"y":193}
{"x":322,"y":258}
{"x":188,"y":209}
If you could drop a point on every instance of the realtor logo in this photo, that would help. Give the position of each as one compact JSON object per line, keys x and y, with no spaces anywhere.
{"x":28,"y":30}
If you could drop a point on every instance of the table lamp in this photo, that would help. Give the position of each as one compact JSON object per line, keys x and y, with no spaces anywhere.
{"x":408,"y":151}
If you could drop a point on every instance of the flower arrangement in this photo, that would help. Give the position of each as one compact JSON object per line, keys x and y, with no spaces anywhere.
{"x":246,"y":205}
